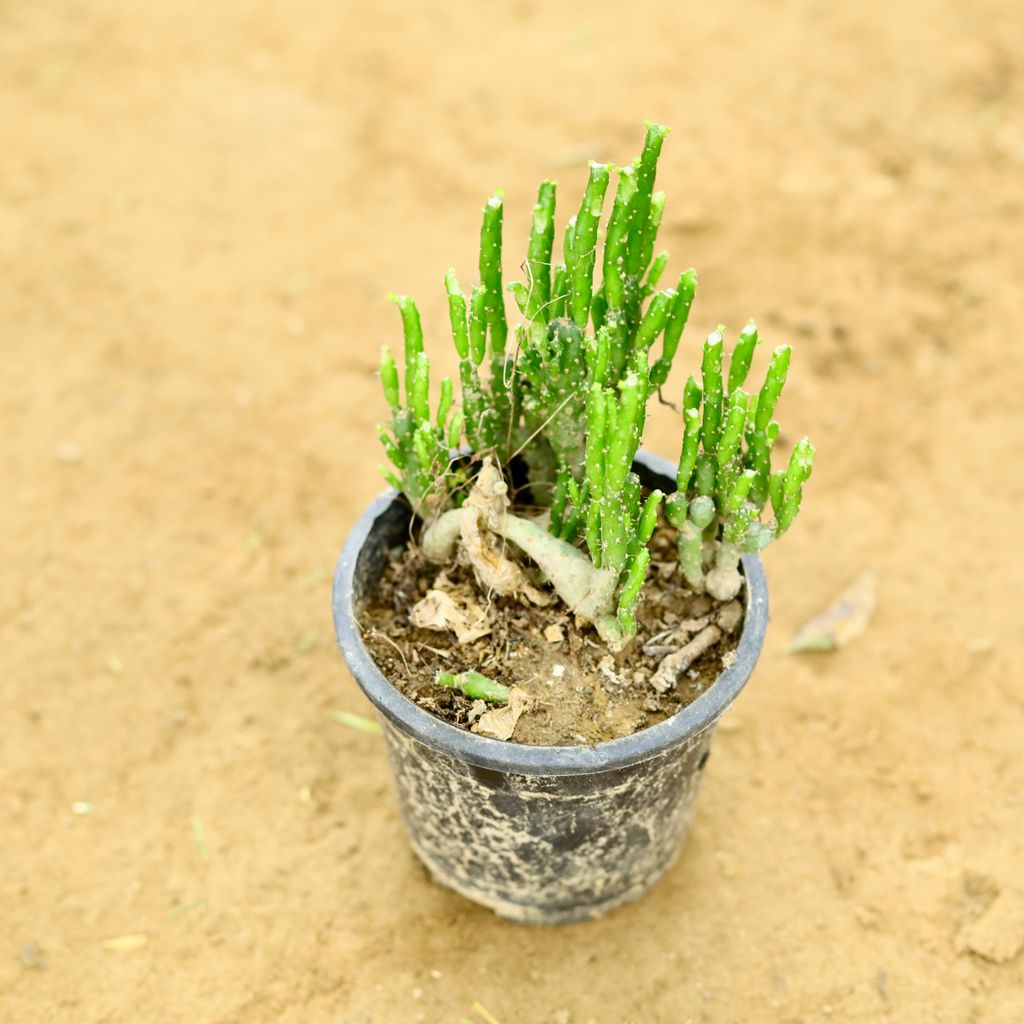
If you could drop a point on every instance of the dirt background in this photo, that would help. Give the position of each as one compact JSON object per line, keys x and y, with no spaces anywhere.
{"x":202,"y":207}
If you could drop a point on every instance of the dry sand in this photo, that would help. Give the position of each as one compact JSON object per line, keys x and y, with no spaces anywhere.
{"x":202,"y":207}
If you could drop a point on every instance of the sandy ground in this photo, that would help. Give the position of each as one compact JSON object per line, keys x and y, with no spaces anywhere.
{"x":202,"y":207}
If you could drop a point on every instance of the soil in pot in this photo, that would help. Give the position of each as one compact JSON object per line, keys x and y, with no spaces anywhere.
{"x":579,"y":693}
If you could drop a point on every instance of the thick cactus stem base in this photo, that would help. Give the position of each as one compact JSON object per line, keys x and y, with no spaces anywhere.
{"x":589,"y":592}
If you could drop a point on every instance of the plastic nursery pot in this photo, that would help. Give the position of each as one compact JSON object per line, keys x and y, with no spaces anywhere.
{"x":538,"y":834}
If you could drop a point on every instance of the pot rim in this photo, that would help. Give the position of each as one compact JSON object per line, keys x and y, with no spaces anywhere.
{"x":523,"y":759}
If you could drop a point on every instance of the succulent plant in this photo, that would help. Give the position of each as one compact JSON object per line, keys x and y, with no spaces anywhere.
{"x":724,"y":479}
{"x":570,"y":400}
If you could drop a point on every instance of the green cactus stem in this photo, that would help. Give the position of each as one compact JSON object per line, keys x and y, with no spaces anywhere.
{"x":732,"y":474}
{"x":474,"y":685}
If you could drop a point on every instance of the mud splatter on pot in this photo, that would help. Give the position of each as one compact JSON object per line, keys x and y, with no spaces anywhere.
{"x":538,"y":834}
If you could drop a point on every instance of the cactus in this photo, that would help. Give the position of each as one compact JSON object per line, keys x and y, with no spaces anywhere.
{"x":474,"y":685}
{"x":418,"y":447}
{"x":569,"y":397}
{"x":724,"y":478}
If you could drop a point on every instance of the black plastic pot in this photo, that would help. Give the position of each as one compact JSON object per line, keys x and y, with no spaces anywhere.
{"x":539,"y":834}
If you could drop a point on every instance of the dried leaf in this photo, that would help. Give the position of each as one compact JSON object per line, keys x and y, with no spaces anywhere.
{"x":495,"y":571}
{"x":442,"y":611}
{"x":500,"y":723}
{"x":843,"y":620}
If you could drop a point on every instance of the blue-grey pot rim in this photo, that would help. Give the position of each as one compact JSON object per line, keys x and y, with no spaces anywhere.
{"x":524,"y":759}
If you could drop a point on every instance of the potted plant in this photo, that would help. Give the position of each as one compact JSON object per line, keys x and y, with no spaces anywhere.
{"x":548,"y":621}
